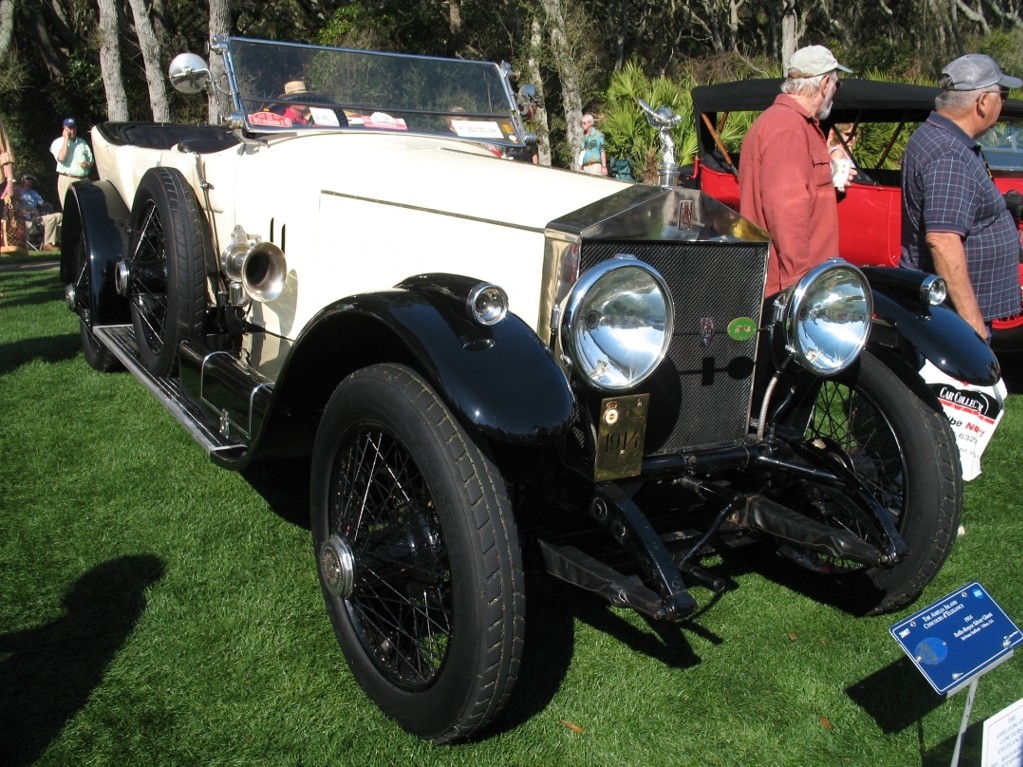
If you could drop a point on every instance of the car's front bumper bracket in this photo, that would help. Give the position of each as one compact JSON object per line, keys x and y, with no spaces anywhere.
{"x":630,"y":528}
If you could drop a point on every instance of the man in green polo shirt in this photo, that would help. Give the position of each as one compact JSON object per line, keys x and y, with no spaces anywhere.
{"x":73,"y":156}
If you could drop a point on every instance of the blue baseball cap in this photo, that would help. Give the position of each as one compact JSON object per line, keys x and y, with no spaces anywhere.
{"x":69,"y":122}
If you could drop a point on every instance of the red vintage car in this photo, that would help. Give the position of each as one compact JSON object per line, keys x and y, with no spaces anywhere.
{"x":870,"y":212}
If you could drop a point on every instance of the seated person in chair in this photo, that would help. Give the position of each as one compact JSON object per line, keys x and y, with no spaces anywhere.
{"x":32,"y":208}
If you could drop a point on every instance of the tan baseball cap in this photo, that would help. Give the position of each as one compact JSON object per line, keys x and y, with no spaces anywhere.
{"x":813,"y":61}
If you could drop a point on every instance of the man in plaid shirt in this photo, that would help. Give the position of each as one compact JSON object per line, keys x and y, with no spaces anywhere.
{"x":954,"y":219}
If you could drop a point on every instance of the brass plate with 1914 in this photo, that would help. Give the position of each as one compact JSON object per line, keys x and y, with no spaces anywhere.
{"x":620,"y":437}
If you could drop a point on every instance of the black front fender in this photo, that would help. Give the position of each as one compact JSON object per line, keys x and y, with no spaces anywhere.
{"x":940,"y":335}
{"x":500,"y":379}
{"x":94,"y":212}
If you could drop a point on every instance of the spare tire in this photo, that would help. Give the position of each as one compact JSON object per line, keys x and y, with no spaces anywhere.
{"x":166,"y":283}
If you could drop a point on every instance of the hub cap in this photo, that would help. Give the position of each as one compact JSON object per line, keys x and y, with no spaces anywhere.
{"x":337,"y":566}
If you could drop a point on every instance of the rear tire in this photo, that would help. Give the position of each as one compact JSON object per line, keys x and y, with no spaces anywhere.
{"x":166,"y":287}
{"x":97,"y":356}
{"x":432,"y":616}
{"x":1007,"y":335}
{"x":906,"y":454}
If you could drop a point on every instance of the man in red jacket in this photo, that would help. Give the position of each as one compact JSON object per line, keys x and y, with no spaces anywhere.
{"x":785,"y":181}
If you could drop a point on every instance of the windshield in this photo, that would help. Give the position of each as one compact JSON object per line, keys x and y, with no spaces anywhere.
{"x":283,"y":86}
{"x":1003,"y":146}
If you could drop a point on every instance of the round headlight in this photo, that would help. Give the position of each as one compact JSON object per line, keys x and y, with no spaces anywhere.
{"x":828,"y":317}
{"x":617,"y":323}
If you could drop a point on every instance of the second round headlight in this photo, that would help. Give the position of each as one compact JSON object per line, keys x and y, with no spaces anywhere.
{"x":828,"y":317}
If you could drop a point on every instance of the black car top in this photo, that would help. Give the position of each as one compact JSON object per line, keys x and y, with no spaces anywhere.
{"x":857,"y":100}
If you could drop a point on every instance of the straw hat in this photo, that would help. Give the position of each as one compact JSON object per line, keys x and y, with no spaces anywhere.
{"x":294,"y":87}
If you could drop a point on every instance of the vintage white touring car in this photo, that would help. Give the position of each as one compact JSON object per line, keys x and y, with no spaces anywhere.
{"x":485,"y":359}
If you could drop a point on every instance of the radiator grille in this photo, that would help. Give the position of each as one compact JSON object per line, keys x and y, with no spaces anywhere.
{"x":700,"y":395}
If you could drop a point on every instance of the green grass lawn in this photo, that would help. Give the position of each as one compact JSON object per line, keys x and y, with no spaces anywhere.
{"x":157,"y":610}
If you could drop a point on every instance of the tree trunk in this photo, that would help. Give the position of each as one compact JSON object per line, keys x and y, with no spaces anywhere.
{"x":789,"y":31}
{"x":220,"y":24}
{"x":110,"y":61}
{"x":159,"y":18}
{"x":455,"y":16}
{"x":621,"y":33}
{"x":454,"y":25}
{"x":533,"y":75}
{"x":6,"y":26}
{"x":53,"y":36}
{"x":571,"y":93}
{"x":150,"y":48}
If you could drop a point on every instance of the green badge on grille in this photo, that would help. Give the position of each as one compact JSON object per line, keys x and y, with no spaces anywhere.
{"x":742,"y":328}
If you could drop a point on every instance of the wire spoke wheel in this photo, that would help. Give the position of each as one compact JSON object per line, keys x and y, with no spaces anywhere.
{"x":901,"y":449}
{"x":166,"y":266}
{"x":401,"y":606}
{"x":418,"y":554}
{"x":148,"y":291}
{"x":850,"y":425}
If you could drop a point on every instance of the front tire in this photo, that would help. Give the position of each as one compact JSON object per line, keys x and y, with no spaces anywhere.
{"x":429,"y":609}
{"x":906,"y":454}
{"x":166,"y":287}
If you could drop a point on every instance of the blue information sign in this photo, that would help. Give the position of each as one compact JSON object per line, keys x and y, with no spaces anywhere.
{"x":958,"y":638}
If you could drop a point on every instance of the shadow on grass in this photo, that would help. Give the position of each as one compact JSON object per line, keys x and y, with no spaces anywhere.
{"x":970,"y":750}
{"x":47,"y":349}
{"x":284,"y":485}
{"x":552,"y":610}
{"x":897,"y":697}
{"x":31,"y":289}
{"x":49,"y":672}
{"x":853,"y":594}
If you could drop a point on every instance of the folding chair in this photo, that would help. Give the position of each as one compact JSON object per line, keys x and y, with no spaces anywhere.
{"x":34,"y":233}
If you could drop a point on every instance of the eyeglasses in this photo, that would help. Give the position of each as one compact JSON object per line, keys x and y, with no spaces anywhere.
{"x":1003,"y":93}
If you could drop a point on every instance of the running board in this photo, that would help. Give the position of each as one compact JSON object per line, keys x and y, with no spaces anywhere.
{"x":120,"y":340}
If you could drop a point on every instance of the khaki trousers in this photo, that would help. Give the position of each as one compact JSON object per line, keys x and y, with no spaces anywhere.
{"x":63,"y":184}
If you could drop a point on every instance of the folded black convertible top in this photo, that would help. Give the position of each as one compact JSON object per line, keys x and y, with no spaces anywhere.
{"x":864,"y":100}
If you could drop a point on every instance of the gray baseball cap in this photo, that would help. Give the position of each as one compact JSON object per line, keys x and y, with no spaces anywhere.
{"x":973,"y":72}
